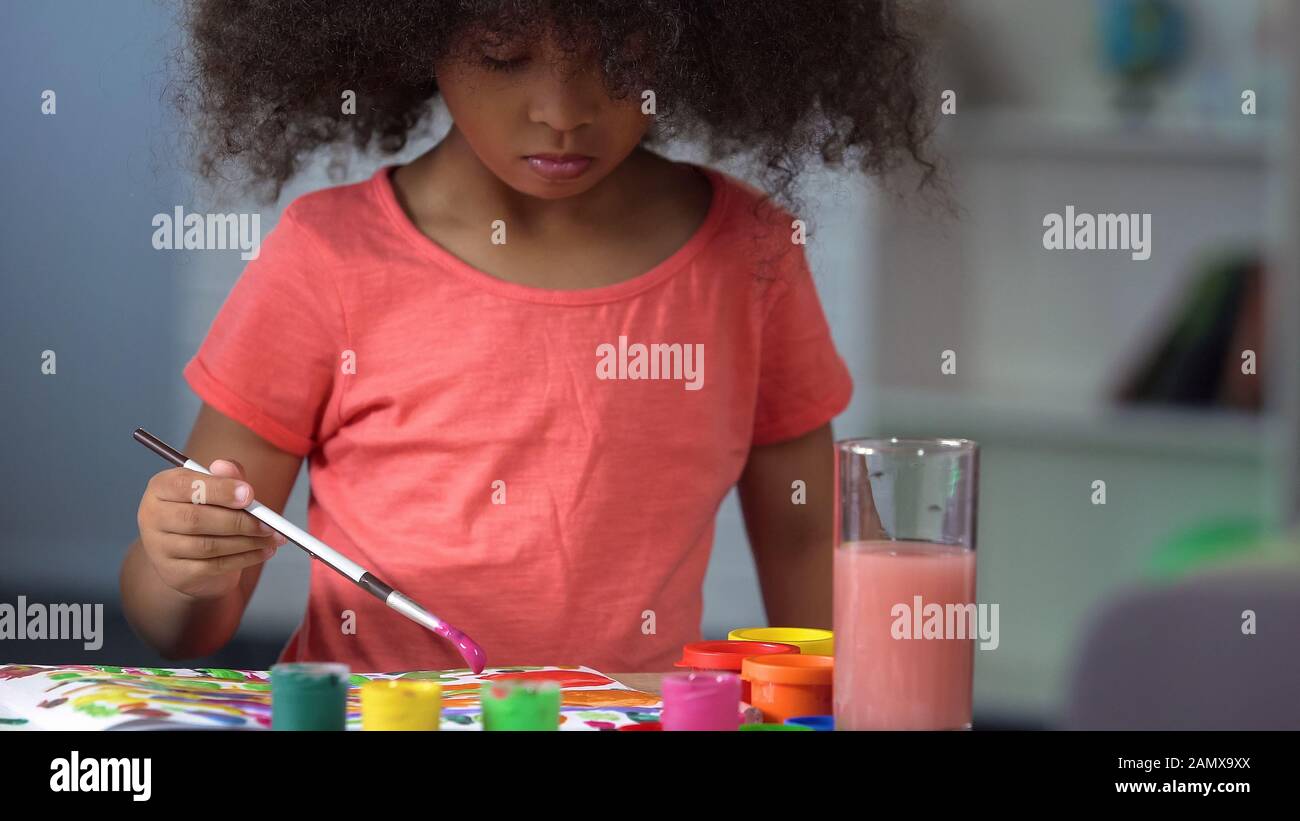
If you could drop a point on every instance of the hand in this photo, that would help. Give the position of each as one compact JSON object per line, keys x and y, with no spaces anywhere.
{"x":195,"y":533}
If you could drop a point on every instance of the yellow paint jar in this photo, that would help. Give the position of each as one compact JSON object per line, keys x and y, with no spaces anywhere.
{"x":811,"y":641}
{"x":401,"y":704}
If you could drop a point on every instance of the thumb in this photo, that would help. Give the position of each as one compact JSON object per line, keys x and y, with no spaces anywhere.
{"x":228,"y":468}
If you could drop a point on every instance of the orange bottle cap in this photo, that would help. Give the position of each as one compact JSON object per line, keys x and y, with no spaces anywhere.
{"x":814,"y":670}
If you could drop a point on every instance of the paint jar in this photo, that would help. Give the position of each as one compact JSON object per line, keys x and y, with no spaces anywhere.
{"x":819,"y":723}
{"x":520,"y":705}
{"x":811,"y":641}
{"x":398,"y":704}
{"x":701,"y":701}
{"x":789,"y":686}
{"x":726,"y":656}
{"x":767,"y":728}
{"x":309,"y":696}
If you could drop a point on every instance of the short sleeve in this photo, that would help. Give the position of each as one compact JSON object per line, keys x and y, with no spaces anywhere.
{"x":803,"y":382}
{"x":270,"y":358}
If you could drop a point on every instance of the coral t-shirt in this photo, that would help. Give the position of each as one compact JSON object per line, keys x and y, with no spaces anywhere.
{"x":541,"y":468}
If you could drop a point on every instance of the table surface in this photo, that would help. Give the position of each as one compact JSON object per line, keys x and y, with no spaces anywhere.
{"x":646,"y":682}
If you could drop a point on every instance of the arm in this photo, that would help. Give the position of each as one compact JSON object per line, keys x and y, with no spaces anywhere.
{"x":792,"y":543}
{"x":202,"y":619}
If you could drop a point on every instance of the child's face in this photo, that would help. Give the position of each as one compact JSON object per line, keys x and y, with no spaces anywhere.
{"x":538,"y":118}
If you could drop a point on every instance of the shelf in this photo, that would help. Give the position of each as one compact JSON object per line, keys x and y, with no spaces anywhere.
{"x":1021,"y":134}
{"x":1237,"y":436}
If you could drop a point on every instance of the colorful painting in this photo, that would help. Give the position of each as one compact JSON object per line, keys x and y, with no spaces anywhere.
{"x":97,"y":697}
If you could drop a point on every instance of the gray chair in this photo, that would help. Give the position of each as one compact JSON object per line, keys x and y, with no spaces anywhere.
{"x":1175,"y":658}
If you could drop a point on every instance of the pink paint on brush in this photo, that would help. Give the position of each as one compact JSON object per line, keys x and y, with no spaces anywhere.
{"x":466,"y":646}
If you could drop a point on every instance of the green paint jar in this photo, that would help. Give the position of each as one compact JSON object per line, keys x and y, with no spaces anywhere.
{"x":520,"y":705}
{"x":774,"y":728}
{"x":309,"y":696}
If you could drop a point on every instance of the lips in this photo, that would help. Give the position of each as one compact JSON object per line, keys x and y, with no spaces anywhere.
{"x":558,"y":167}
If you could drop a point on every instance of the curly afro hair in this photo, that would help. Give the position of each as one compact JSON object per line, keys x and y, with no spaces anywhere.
{"x":773,"y":81}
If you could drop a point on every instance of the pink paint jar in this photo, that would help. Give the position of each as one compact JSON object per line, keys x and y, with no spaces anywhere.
{"x":701,"y":701}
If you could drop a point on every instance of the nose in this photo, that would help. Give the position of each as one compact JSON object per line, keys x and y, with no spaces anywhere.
{"x":565,"y":101}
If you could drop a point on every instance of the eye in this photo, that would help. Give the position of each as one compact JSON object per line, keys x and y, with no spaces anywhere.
{"x":503,"y":54}
{"x":497,"y":64}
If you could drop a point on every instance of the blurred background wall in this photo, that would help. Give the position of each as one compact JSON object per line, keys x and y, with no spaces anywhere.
{"x":81,"y":279}
{"x":1109,"y":107}
{"x":1046,"y":342}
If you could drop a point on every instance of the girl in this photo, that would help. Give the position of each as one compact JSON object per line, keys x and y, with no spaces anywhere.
{"x":526,"y":367}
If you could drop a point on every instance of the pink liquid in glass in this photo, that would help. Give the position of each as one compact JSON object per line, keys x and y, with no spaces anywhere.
{"x":884,"y":683}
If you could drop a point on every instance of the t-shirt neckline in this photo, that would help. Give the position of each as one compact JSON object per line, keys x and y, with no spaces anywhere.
{"x":679,"y":259}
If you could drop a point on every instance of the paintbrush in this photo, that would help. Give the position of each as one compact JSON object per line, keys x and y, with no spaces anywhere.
{"x":468,"y":648}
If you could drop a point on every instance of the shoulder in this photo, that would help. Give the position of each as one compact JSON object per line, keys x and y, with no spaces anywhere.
{"x":337,"y":224}
{"x":755,"y":230}
{"x":749,"y":206}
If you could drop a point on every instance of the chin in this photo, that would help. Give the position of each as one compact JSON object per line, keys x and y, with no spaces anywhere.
{"x":552,"y":190}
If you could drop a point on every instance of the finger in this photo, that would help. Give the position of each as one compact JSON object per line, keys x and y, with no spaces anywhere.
{"x":184,"y":485}
{"x":206,"y":520}
{"x":203,"y":547}
{"x":224,"y":564}
{"x":229,"y":468}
